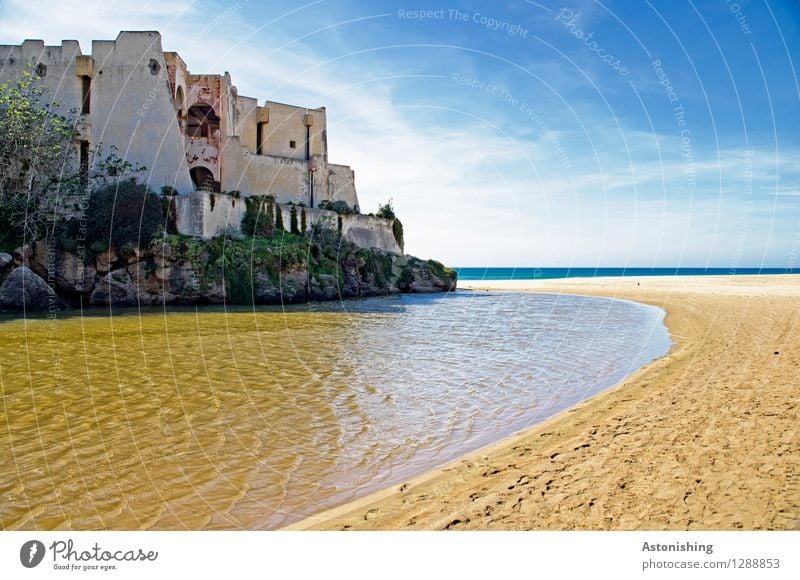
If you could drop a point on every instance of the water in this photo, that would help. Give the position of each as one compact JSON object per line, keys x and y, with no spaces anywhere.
{"x":207,"y":419}
{"x":466,"y":274}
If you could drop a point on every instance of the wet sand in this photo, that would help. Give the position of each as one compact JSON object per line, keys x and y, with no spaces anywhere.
{"x":705,"y":438}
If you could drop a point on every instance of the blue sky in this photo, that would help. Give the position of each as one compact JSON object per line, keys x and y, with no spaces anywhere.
{"x":576,"y":133}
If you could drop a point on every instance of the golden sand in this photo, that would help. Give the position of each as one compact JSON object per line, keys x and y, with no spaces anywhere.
{"x":705,"y":438}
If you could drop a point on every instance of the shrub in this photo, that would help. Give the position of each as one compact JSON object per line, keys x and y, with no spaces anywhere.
{"x":397,"y":230}
{"x":293,"y":220}
{"x":340,"y":206}
{"x":123,"y":213}
{"x":303,"y":222}
{"x":386,"y":211}
{"x":259,"y":216}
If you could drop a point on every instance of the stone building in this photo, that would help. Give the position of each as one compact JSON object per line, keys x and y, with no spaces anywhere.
{"x":194,"y":132}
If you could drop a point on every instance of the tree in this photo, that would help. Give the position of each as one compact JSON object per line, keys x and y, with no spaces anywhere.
{"x":37,"y":157}
{"x":278,"y":218}
{"x":303,"y":221}
{"x":293,"y":220}
{"x":41,"y":178}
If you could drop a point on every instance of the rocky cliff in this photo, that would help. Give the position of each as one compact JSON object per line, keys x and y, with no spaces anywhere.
{"x":180,"y":270}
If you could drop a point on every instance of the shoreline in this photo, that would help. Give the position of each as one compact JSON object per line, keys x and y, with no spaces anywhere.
{"x":700,"y":439}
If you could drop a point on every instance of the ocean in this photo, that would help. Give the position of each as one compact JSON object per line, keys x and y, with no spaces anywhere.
{"x":466,"y":274}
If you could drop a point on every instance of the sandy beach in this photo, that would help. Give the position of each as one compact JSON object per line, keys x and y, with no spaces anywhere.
{"x":705,"y":438}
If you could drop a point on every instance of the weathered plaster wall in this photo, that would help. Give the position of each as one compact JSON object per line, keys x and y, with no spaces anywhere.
{"x":61,"y":78}
{"x":246,"y":112}
{"x":285,"y":178}
{"x":342,"y":184}
{"x":286,"y":124}
{"x":370,"y":232}
{"x":207,"y":215}
{"x":132,"y":108}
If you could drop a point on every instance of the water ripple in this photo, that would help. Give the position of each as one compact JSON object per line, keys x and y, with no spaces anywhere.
{"x":214,"y":419}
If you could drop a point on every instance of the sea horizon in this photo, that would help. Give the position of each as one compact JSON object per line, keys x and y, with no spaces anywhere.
{"x":535,"y":273}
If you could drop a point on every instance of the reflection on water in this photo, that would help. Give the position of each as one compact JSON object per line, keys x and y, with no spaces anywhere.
{"x":207,"y":419}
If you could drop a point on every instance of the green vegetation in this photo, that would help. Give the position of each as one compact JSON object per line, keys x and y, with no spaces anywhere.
{"x":44,"y":182}
{"x":124,"y":213}
{"x":440,"y":270}
{"x":340,"y":206}
{"x":259,"y":216}
{"x":278,"y":219}
{"x":303,"y":222}
{"x":379,"y":266}
{"x":397,"y":230}
{"x":386,"y":211}
{"x":293,"y":220}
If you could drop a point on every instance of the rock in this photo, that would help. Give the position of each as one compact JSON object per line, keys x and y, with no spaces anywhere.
{"x":214,"y":291}
{"x":105,"y":260}
{"x":292,"y":287}
{"x":323,"y":287}
{"x":115,"y":289}
{"x":67,"y":271}
{"x":24,"y":290}
{"x":148,"y":282}
{"x":425,"y":277}
{"x":5,"y":260}
{"x":73,"y":276}
{"x":266,"y":291}
{"x":23,"y":256}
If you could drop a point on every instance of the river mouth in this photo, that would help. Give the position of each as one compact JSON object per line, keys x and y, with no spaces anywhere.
{"x":213,"y":418}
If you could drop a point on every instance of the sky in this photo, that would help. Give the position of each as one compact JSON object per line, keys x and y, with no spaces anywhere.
{"x":577,"y":133}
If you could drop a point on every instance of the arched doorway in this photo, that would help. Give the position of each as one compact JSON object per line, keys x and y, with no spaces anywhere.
{"x":201,"y":121}
{"x":203,"y":179}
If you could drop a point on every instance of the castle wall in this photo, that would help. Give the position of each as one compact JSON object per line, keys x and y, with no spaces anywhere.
{"x":370,"y":232}
{"x":132,"y":108}
{"x":60,"y":78}
{"x":197,"y":217}
{"x":342,"y":184}
{"x":287,"y":124}
{"x":285,"y":178}
{"x":207,"y":215}
{"x":246,"y":108}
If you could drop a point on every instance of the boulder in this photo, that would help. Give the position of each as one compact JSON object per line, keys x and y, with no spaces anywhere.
{"x":24,"y":290}
{"x":292,"y":287}
{"x":115,"y":289}
{"x":323,"y":287}
{"x":105,"y":260}
{"x":5,"y":260}
{"x":23,"y":256}
{"x":424,"y":277}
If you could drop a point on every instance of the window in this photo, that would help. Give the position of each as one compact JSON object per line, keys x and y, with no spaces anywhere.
{"x":86,"y":94}
{"x":293,"y":144}
{"x":202,"y":121}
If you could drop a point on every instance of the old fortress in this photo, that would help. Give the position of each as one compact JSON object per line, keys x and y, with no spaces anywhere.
{"x":195,"y":133}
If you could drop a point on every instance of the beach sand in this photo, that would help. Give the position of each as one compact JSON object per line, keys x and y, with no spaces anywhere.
{"x":705,"y":438}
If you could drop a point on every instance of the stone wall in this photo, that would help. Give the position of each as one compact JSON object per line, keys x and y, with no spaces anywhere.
{"x":132,"y":108}
{"x":342,"y":184}
{"x":206,"y":215}
{"x":196,"y":217}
